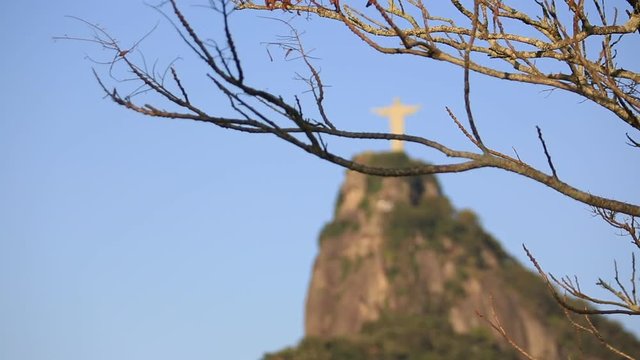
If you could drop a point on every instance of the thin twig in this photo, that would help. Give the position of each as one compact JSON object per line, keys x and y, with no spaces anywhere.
{"x":546,"y":153}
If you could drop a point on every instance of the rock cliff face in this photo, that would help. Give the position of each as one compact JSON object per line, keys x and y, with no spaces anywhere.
{"x":398,"y":264}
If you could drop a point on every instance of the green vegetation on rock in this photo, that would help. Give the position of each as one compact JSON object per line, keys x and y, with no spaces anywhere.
{"x":337,"y":228}
{"x":392,"y":160}
{"x":401,"y":337}
{"x":429,"y":219}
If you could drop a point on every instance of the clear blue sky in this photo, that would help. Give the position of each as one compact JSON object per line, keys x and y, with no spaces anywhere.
{"x":125,"y":237}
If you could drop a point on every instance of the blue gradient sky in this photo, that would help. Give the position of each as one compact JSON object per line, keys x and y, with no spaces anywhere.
{"x":125,"y":237}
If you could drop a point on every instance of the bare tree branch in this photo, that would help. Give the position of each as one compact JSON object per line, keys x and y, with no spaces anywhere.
{"x":546,"y":152}
{"x":627,"y":306}
{"x":578,"y":56}
{"x":495,"y":323}
{"x":276,"y":106}
{"x":595,"y":77}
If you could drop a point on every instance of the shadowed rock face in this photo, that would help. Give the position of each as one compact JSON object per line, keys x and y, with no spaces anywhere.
{"x":398,"y":259}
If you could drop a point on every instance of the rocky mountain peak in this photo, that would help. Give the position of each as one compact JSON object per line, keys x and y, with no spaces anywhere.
{"x":379,"y":195}
{"x":401,"y":274}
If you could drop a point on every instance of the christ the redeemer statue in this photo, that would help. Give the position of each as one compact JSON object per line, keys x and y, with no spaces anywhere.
{"x":396,"y":114}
